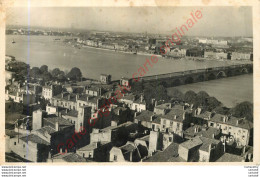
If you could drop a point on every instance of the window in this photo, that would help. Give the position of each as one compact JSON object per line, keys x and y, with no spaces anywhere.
{"x":14,"y":143}
{"x":83,"y":154}
{"x":171,"y":123}
{"x":230,"y":128}
{"x":178,"y":125}
{"x":115,"y":158}
{"x":211,"y":124}
{"x":170,"y":139}
{"x":90,"y":155}
{"x":217,"y":125}
{"x":243,"y":137}
{"x":24,"y":146}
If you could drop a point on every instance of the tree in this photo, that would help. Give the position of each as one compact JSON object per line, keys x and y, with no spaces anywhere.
{"x":55,"y":72}
{"x":176,"y":94}
{"x":244,"y":109}
{"x":201,"y":99}
{"x":35,"y":72}
{"x":190,"y":97}
{"x":74,"y":74}
{"x":212,"y":103}
{"x":44,"y":68}
{"x":46,"y":76}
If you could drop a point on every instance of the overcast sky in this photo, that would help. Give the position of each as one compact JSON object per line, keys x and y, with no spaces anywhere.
{"x":216,"y":21}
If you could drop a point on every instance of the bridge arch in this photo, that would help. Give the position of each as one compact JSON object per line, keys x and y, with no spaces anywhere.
{"x":200,"y":78}
{"x":211,"y":76}
{"x":244,"y":70}
{"x":221,"y":74}
{"x":188,"y":80}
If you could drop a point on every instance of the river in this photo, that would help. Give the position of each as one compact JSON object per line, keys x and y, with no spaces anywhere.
{"x":40,"y":50}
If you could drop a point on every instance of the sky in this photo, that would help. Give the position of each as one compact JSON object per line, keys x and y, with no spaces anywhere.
{"x":215,"y":21}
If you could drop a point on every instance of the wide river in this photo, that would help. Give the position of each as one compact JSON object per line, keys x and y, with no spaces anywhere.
{"x":40,"y":50}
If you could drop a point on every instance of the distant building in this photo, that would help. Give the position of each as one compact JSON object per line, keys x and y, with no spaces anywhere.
{"x":126,"y":153}
{"x":238,"y":129}
{"x":240,"y":56}
{"x":49,"y":91}
{"x":105,"y":78}
{"x":201,"y":149}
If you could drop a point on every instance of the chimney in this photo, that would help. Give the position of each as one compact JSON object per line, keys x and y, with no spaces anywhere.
{"x":213,"y":135}
{"x":196,"y":129}
{"x":237,"y":122}
{"x":69,"y":97}
{"x":77,"y":97}
{"x":57,"y":126}
{"x":183,"y":116}
{"x":142,"y":98}
{"x":62,"y":95}
{"x":87,"y":98}
{"x":136,"y":114}
{"x":66,"y":110}
{"x":175,"y":117}
{"x":183,"y":107}
{"x":118,"y":112}
{"x":155,"y":103}
{"x":151,"y":118}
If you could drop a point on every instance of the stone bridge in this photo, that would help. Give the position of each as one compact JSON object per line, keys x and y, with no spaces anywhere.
{"x":199,"y":75}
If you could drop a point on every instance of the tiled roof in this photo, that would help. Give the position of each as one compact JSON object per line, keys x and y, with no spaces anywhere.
{"x":129,"y":97}
{"x":226,"y":157}
{"x":178,"y":112}
{"x":35,"y":139}
{"x":128,"y":147}
{"x":66,"y":97}
{"x":70,"y":157}
{"x":207,"y":142}
{"x":47,"y":129}
{"x":145,"y":116}
{"x":62,"y":122}
{"x":191,"y":143}
{"x":168,"y":155}
{"x":209,"y":132}
{"x":88,"y":147}
{"x":72,"y":113}
{"x":242,"y":123}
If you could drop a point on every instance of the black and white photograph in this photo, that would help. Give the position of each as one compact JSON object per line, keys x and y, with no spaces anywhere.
{"x":145,"y":84}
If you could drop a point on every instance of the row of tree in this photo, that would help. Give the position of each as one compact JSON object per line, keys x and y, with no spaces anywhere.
{"x":55,"y":74}
{"x":202,"y":98}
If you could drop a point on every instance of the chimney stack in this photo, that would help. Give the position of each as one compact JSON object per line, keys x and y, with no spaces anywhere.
{"x":142,"y":98}
{"x":61,"y":95}
{"x":183,"y":116}
{"x":151,"y":118}
{"x":57,"y":126}
{"x":175,"y":117}
{"x":69,"y":97}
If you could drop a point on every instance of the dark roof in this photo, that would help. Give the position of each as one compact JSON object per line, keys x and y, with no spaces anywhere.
{"x":178,"y":112}
{"x":62,"y":122}
{"x":168,"y":155}
{"x":242,"y":123}
{"x":200,"y":141}
{"x":66,"y":96}
{"x":72,"y":113}
{"x":35,"y":139}
{"x":145,"y":116}
{"x":226,"y":157}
